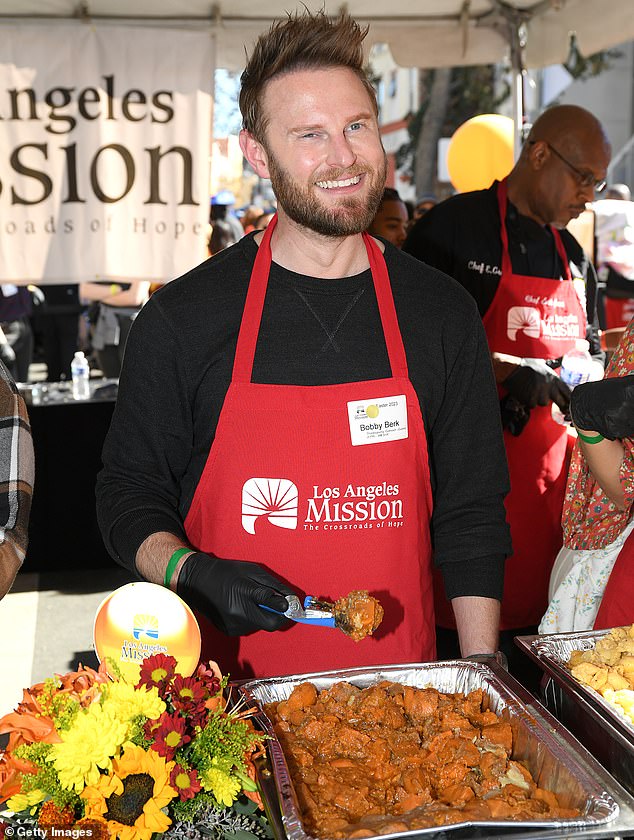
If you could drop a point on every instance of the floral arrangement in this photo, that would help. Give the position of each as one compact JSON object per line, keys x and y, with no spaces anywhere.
{"x":90,"y":756}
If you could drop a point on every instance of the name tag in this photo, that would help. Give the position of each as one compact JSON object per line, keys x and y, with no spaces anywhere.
{"x":378,"y":420}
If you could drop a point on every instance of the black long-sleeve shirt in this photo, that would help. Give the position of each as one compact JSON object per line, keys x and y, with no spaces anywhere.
{"x":314,"y":331}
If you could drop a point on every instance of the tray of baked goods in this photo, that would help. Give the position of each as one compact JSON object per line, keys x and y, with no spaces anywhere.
{"x":420,"y":749}
{"x":591,"y":690}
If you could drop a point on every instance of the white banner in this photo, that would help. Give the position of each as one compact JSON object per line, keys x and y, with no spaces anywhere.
{"x":104,"y":151}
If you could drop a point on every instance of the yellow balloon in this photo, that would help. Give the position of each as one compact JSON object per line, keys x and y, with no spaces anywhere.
{"x":480,"y":151}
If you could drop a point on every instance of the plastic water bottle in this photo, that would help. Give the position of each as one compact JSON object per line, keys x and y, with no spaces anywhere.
{"x":80,"y":374}
{"x":577,"y":367}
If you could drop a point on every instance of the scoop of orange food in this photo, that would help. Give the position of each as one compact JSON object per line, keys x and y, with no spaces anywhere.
{"x":358,"y":614}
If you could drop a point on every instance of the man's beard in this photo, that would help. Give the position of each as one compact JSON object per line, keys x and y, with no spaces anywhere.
{"x":301,"y":204}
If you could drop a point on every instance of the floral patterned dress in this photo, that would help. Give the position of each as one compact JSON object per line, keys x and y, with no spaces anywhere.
{"x":594,"y":528}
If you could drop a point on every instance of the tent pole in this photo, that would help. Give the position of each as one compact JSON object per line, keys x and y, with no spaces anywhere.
{"x":518,"y":42}
{"x":216,"y":23}
{"x":518,"y":111}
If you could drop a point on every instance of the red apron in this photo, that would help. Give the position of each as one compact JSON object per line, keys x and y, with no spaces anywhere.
{"x":617,"y":605}
{"x":284,"y":487}
{"x":618,"y":311}
{"x":539,"y":318}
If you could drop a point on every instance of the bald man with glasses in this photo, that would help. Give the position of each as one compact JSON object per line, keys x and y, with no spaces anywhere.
{"x":536,"y":291}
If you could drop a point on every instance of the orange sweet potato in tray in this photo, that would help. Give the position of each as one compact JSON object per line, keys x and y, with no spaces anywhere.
{"x":392,"y":758}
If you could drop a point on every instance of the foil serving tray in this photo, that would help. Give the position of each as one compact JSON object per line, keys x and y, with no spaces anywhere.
{"x":552,"y":652}
{"x":553,"y":765}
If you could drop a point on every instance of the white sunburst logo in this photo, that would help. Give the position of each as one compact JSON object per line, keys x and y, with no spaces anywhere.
{"x":275,"y":498}
{"x":524,"y":319}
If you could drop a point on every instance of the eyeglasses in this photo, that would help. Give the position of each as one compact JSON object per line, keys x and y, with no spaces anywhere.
{"x":584,"y":177}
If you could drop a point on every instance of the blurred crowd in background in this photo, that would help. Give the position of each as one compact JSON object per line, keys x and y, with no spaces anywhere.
{"x":46,"y":324}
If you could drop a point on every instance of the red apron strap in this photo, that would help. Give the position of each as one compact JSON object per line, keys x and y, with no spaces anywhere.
{"x":506,"y":258}
{"x":387,"y":310}
{"x":617,"y":605}
{"x":254,"y":304}
{"x":563,"y":256}
{"x":507,"y":268}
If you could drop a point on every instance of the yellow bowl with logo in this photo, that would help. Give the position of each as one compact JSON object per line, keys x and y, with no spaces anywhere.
{"x":141,"y":619}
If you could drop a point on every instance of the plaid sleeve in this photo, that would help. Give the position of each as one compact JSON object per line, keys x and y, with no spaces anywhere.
{"x":17,"y":468}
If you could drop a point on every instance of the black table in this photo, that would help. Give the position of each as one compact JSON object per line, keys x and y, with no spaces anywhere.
{"x":68,"y":437}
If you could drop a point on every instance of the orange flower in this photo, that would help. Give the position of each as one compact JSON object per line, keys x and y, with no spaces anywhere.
{"x":11,"y":771}
{"x":51,"y":815}
{"x":28,"y":724}
{"x":84,"y":683}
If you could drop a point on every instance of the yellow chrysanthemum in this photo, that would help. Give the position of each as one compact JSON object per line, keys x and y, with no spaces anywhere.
{"x":90,"y":744}
{"x":224,"y":787}
{"x":131,"y":798}
{"x":125,"y":701}
{"x":21,"y":801}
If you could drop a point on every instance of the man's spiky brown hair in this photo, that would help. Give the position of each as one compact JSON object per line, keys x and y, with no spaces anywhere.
{"x":308,"y":41}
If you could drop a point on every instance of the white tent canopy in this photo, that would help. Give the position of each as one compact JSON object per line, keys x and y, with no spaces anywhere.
{"x":421,"y":33}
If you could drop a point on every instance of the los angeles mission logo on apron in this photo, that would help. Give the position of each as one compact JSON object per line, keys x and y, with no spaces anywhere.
{"x":352,"y":507}
{"x":542,"y":318}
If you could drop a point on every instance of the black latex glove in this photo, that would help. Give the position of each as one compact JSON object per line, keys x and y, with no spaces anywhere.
{"x":606,"y":407}
{"x":228,"y":593}
{"x":7,"y":354}
{"x":515,"y":416}
{"x":533,"y":383}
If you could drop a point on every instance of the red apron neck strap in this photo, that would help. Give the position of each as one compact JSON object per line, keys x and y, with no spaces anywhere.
{"x":253,"y":306}
{"x":507,"y":269}
{"x":563,"y":256}
{"x":256,"y":293}
{"x":387,"y":310}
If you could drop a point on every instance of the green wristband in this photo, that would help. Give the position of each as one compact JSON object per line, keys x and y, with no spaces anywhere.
{"x":590,"y":438}
{"x":171,"y":564}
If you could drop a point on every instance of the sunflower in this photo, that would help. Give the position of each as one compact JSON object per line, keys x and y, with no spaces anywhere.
{"x":131,"y":799}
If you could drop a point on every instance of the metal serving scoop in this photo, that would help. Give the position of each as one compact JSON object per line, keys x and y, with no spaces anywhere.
{"x":317,"y":613}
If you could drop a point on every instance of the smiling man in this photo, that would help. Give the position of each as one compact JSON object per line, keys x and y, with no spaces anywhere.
{"x":296,"y":414}
{"x":536,"y":291}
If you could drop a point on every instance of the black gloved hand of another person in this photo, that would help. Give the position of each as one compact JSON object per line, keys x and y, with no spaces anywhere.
{"x":533,"y":383}
{"x":228,"y":592}
{"x":606,"y":406}
{"x":515,"y":416}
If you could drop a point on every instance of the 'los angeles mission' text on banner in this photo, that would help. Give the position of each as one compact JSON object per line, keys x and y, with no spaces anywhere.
{"x":104,"y":150}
